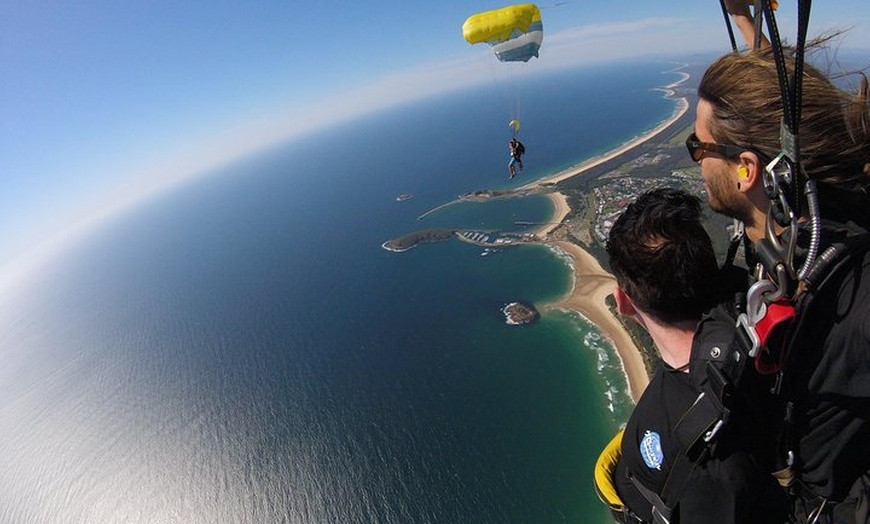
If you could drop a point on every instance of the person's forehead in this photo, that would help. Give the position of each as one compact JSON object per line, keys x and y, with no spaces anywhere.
{"x":703,"y":113}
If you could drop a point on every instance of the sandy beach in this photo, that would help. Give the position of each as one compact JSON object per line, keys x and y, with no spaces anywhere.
{"x":592,"y":162}
{"x":592,"y":284}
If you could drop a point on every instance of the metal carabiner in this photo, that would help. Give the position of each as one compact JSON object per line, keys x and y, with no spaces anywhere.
{"x":756,"y":305}
{"x":776,"y":169}
{"x":756,"y":308}
{"x":778,"y":172}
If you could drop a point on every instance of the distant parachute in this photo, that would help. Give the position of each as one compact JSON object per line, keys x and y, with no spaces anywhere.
{"x":515,"y":32}
{"x":515,"y":125}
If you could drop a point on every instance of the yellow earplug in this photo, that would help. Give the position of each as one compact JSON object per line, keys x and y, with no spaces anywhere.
{"x":742,"y":172}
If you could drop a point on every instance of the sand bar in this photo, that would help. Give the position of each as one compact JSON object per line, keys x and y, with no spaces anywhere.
{"x":592,"y":285}
{"x":562,"y":210}
{"x":683,"y":106}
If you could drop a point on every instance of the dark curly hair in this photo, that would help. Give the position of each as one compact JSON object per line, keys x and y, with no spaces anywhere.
{"x":662,"y":257}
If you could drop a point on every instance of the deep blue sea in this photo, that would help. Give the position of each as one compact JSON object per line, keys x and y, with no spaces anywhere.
{"x":242,"y":350}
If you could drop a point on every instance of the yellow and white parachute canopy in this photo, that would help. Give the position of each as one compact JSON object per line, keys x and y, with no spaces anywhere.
{"x":514,"y":32}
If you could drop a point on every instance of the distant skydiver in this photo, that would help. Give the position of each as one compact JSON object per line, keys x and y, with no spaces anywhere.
{"x":517,"y":150}
{"x":515,"y":34}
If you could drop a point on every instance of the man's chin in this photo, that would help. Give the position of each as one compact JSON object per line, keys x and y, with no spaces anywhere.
{"x":717,"y":206}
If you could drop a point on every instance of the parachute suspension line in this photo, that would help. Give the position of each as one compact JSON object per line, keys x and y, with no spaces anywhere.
{"x":516,"y":74}
{"x":517,"y":102}
{"x":508,"y":80}
{"x":759,"y":22}
{"x":505,"y":85}
{"x":785,"y":175}
{"x":514,"y":34}
{"x":780,"y":184}
{"x":728,"y":25}
{"x":757,"y":18}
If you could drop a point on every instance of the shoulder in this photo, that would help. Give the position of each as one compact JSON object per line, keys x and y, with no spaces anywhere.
{"x":665,"y":399}
{"x":835,"y":330}
{"x":715,"y":338}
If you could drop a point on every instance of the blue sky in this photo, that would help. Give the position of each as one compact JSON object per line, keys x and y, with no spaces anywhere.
{"x":104,"y":102}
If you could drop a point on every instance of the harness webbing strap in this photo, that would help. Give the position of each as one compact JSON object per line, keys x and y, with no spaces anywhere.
{"x":678,"y":478}
{"x":720,"y":362}
{"x":660,"y":511}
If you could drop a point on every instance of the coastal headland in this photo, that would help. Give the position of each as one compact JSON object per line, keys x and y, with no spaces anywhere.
{"x":586,"y":199}
{"x":591,"y":283}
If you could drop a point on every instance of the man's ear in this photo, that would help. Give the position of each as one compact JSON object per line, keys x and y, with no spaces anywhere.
{"x":751,"y":170}
{"x":624,"y":304}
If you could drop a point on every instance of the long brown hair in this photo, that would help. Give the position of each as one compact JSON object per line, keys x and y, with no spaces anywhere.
{"x":834,"y":134}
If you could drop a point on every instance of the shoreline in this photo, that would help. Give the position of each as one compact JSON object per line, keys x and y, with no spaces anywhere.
{"x":591,"y":284}
{"x":591,"y":287}
{"x":682,"y":108}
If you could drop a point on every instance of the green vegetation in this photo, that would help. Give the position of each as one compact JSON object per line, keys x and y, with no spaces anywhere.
{"x":406,"y":242}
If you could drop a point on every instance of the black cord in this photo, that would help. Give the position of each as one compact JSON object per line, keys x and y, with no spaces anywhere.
{"x":779,"y":59}
{"x":728,"y":25}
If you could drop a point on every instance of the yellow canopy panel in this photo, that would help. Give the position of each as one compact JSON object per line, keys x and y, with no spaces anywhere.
{"x":500,"y":25}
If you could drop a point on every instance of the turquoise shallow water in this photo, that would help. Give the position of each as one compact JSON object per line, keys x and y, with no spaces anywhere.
{"x":243,"y":350}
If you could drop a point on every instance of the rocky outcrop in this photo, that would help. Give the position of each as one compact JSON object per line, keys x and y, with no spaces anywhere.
{"x":518,"y":313}
{"x":406,"y":242}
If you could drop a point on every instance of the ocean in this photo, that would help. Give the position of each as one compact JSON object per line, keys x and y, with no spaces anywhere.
{"x":242,"y":349}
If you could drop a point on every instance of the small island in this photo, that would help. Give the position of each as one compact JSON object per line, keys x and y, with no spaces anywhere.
{"x":518,"y":313}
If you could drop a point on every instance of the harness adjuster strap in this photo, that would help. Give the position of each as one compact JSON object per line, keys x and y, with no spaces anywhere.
{"x":660,"y":511}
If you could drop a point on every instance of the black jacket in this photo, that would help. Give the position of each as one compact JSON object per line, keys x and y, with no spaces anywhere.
{"x":729,"y":486}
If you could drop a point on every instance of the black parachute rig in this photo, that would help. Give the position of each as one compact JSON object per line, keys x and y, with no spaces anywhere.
{"x":747,"y":372}
{"x":771,"y":299}
{"x":778,"y":304}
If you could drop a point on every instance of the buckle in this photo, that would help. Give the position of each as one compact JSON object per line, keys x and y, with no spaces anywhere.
{"x":710,"y":435}
{"x":756,"y":308}
{"x":762,"y":318}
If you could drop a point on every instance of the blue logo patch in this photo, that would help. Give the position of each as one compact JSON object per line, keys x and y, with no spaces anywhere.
{"x":651,"y":450}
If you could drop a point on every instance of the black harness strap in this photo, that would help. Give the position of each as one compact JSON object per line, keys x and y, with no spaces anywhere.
{"x":660,"y":511}
{"x":719,"y":357}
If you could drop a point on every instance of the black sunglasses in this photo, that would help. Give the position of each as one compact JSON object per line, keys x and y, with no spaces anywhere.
{"x":696,"y":148}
